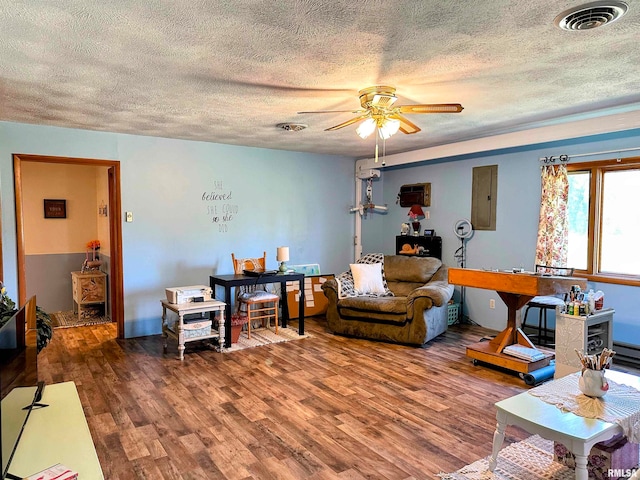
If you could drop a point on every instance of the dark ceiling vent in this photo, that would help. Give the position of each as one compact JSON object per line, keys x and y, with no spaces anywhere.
{"x":292,"y":127}
{"x":591,"y":15}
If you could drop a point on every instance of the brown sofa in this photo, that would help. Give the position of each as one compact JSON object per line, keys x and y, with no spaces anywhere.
{"x":415,"y":314}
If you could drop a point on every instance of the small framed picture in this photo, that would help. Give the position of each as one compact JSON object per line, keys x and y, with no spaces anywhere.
{"x":55,"y":208}
{"x":429,"y":233}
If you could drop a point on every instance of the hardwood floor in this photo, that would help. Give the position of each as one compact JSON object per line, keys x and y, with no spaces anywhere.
{"x":326,"y":407}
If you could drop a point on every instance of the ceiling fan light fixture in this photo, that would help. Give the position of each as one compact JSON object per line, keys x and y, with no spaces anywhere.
{"x":383,"y":100}
{"x":366,"y":128}
{"x":380,"y":112}
{"x":389,"y":127}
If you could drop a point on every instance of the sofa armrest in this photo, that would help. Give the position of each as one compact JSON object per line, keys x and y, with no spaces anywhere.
{"x":439,"y":292}
{"x":433,"y":294}
{"x":330,"y":284}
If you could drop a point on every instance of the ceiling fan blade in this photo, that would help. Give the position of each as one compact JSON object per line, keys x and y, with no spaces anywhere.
{"x":432,"y":108}
{"x":405,"y":125}
{"x":347,"y":123}
{"x":335,"y":111}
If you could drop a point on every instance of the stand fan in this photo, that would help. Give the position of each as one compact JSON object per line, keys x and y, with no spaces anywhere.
{"x":463,"y":230}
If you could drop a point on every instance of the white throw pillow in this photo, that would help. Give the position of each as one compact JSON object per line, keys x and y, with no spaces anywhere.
{"x":367,"y":278}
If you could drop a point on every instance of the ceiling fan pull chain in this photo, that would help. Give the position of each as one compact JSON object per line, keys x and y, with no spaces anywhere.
{"x":384,"y":149}
{"x":376,"y":159}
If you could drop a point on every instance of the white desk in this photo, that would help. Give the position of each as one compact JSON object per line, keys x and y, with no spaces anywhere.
{"x":55,"y":434}
{"x":576,"y":433}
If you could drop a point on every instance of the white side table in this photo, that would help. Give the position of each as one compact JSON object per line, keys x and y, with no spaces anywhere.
{"x":177,"y":329}
{"x":590,"y":333}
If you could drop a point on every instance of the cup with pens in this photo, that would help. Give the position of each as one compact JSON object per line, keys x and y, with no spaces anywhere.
{"x":592,"y":381}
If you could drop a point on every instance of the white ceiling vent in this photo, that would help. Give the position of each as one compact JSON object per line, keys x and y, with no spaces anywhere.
{"x":292,"y":127}
{"x":591,"y":15}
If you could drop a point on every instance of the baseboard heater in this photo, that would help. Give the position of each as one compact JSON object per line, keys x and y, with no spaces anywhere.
{"x":627,"y":353}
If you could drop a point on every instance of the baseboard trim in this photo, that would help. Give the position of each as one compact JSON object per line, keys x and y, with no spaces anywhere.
{"x":627,"y":354}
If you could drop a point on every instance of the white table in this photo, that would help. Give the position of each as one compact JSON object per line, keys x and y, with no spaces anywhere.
{"x":576,"y":433}
{"x":182,"y":309}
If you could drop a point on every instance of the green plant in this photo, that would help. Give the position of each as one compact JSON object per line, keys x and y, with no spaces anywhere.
{"x":7,"y":306}
{"x":43,"y":328}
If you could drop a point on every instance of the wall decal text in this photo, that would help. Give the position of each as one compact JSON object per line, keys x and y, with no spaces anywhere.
{"x":219,"y":209}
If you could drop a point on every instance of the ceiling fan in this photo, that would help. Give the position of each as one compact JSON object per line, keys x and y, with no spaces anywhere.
{"x":378,"y":111}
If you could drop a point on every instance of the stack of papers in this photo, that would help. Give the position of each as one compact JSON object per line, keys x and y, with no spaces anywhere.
{"x":56,"y":472}
{"x":524,"y":353}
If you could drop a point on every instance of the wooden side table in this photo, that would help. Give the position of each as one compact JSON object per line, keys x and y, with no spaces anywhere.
{"x":177,"y":330}
{"x":89,"y":288}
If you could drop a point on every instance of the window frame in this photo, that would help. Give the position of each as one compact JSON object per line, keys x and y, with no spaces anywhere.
{"x":596,"y":172}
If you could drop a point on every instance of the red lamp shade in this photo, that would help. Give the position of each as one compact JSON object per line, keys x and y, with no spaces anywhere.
{"x":416,"y":212}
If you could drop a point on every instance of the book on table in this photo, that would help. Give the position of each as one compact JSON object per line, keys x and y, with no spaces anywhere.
{"x":524,"y":353}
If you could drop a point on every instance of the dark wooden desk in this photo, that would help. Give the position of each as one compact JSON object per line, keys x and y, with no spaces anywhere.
{"x":232,"y":281}
{"x":515,"y":290}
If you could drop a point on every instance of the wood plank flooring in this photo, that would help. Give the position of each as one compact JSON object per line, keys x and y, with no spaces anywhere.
{"x":326,"y":407}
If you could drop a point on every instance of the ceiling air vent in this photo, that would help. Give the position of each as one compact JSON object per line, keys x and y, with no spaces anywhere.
{"x":591,"y":15}
{"x":292,"y":127}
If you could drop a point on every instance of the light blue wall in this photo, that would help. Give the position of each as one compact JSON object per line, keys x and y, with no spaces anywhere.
{"x":513,"y":242}
{"x":277,"y":198}
{"x":295,"y":199}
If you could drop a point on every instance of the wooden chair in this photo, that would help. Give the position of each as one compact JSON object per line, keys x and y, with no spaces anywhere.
{"x":544,"y":303}
{"x":259,"y":304}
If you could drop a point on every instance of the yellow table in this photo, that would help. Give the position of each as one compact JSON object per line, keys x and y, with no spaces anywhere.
{"x":54,"y":434}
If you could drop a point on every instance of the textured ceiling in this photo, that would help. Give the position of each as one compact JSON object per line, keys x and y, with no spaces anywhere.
{"x":229,"y":71}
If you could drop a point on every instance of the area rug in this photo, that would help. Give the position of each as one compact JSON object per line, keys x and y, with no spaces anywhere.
{"x":264,"y":336}
{"x":531,"y":459}
{"x":70,"y":319}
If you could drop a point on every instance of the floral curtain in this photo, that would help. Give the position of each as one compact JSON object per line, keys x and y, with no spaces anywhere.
{"x":553,"y":226}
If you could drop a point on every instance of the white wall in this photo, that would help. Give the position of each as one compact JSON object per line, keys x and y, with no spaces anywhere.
{"x":277,"y":198}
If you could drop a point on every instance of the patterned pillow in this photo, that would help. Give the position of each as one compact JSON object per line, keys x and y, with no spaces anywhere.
{"x":345,"y":280}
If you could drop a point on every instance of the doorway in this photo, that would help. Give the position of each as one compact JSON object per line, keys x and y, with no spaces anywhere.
{"x":116,"y":298}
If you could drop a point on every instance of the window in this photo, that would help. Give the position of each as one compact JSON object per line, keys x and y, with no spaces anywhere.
{"x":604,"y":222}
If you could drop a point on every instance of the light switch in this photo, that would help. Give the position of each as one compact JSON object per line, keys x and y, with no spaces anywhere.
{"x":129,"y":217}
